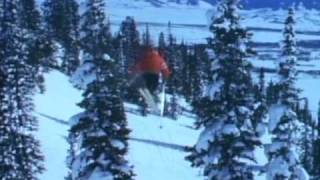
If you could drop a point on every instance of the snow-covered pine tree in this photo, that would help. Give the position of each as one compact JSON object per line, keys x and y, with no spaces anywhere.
{"x":62,"y":25}
{"x":71,"y":37}
{"x":272,"y":94}
{"x":307,"y":137}
{"x":316,"y":149}
{"x":130,"y":40}
{"x":99,"y":134}
{"x":283,"y":159}
{"x":38,"y":48}
{"x":173,"y":84}
{"x":260,"y":118}
{"x":119,"y":55}
{"x":61,"y":19}
{"x":200,"y":104}
{"x":161,"y":43}
{"x":30,"y":16}
{"x":189,"y":69}
{"x":197,"y":71}
{"x":185,"y":70}
{"x":146,"y":38}
{"x":316,"y":159}
{"x":193,"y":72}
{"x":171,"y":57}
{"x":95,"y":28}
{"x":225,"y":148}
{"x":20,"y":156}
{"x":262,"y":83}
{"x":128,"y":93}
{"x":54,"y":17}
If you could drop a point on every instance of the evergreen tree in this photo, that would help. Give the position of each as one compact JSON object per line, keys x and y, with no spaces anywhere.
{"x":146,"y":38}
{"x":29,"y":14}
{"x":272,"y":93}
{"x":316,"y":149}
{"x":226,"y":145}
{"x":194,"y":71}
{"x":39,"y":49}
{"x":310,"y":156}
{"x":171,"y":55}
{"x":130,"y":40}
{"x":197,"y":73}
{"x":185,"y":71}
{"x":161,"y":44}
{"x":54,"y":17}
{"x":71,"y":38}
{"x":62,"y":25}
{"x":120,"y":62}
{"x":200,"y":104}
{"x":262,"y":88}
{"x":260,"y":118}
{"x":307,"y":138}
{"x":61,"y":19}
{"x":173,"y":85}
{"x":99,"y":134}
{"x":20,"y":156}
{"x":95,"y":28}
{"x":261,"y":107}
{"x":285,"y":125}
{"x":189,"y":69}
{"x":316,"y":156}
{"x":187,"y":60}
{"x":173,"y":107}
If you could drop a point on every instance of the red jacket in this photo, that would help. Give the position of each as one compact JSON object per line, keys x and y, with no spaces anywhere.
{"x":151,"y":62}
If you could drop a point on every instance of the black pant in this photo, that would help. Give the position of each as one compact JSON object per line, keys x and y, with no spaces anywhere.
{"x":146,"y":80}
{"x":151,"y":81}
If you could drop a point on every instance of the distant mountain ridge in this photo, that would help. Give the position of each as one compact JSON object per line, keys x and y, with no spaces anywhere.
{"x":250,"y":4}
{"x":276,"y":4}
{"x":161,"y":2}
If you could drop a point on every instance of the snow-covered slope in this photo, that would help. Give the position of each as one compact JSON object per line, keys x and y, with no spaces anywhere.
{"x":156,"y":148}
{"x":59,"y":101}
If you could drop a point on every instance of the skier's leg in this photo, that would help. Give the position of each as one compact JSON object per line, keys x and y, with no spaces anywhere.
{"x":151,"y":81}
{"x":149,"y":99}
{"x":154,"y":83}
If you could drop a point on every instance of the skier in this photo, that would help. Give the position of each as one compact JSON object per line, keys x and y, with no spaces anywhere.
{"x":146,"y":73}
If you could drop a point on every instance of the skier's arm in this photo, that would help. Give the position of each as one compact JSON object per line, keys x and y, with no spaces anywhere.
{"x":165,"y":70}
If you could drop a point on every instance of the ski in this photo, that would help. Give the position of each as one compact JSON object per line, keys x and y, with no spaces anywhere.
{"x":145,"y":93}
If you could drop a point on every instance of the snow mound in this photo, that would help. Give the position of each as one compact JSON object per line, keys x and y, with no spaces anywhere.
{"x":86,"y":72}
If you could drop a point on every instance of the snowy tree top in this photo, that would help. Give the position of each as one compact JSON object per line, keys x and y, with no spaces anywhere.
{"x":86,"y":73}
